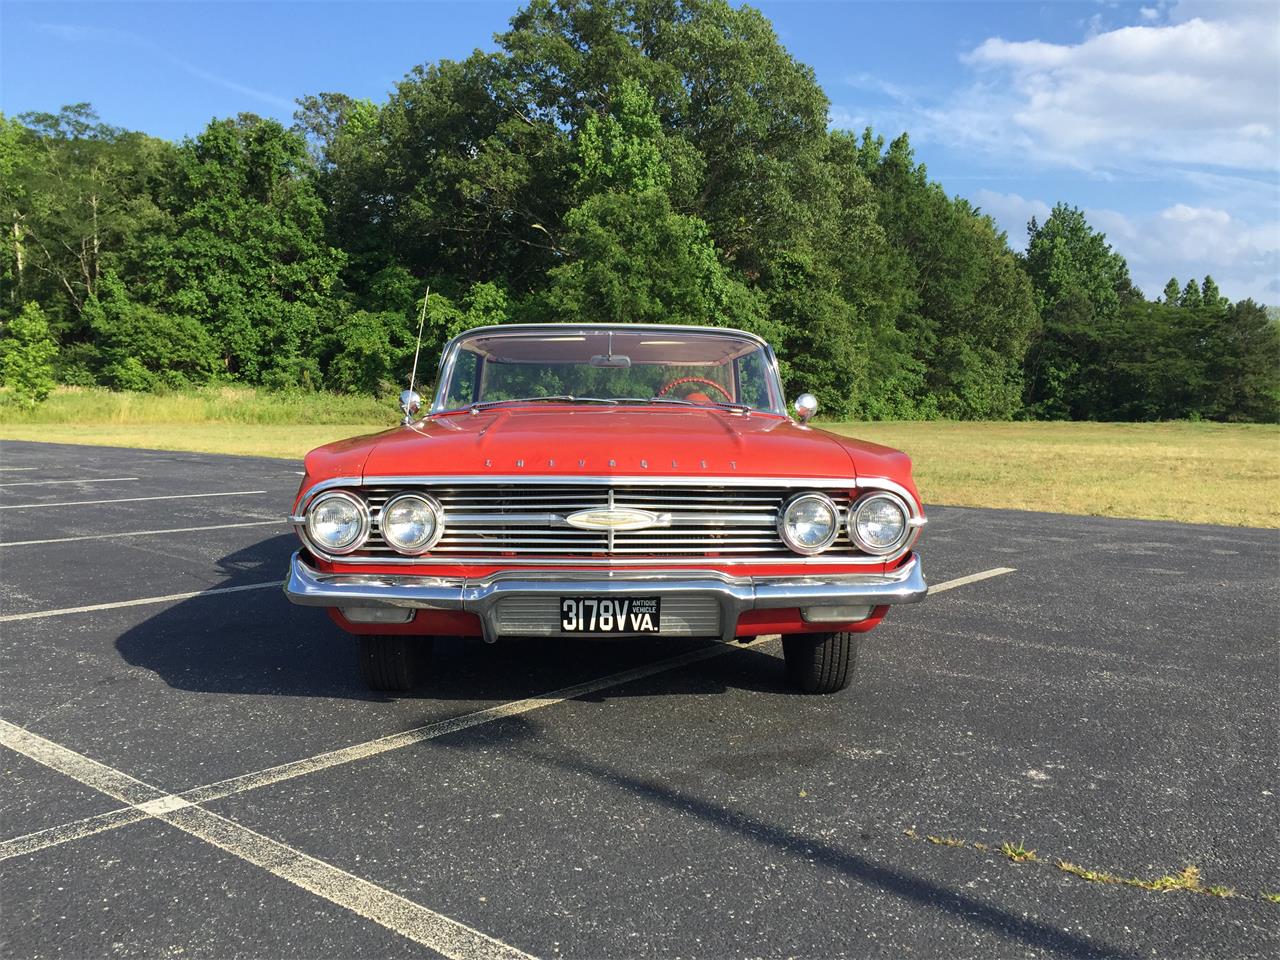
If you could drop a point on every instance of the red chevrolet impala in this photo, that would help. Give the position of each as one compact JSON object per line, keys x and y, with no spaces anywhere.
{"x":607,"y":481}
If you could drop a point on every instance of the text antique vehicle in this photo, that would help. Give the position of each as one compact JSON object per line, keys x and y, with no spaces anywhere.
{"x":607,"y":481}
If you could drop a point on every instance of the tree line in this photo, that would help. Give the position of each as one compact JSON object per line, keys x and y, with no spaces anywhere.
{"x":618,"y":160}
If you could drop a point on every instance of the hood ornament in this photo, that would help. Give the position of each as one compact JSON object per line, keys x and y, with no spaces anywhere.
{"x":617,"y":518}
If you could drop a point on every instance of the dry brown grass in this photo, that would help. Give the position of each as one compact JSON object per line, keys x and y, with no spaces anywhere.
{"x":1191,"y":472}
{"x":257,"y":439}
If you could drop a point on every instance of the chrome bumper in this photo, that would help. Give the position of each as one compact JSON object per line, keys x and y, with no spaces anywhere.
{"x":312,"y":588}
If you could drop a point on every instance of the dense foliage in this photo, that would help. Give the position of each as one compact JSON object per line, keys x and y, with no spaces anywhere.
{"x":628,"y":160}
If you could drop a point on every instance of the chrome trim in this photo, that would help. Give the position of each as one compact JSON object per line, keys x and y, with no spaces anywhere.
{"x":907,"y":525}
{"x":366,"y":523}
{"x":310,"y":587}
{"x":616,"y":518}
{"x":604,"y":480}
{"x":806,"y":406}
{"x":852,"y":483}
{"x":782,"y":522}
{"x":449,"y":355}
{"x":432,"y":504}
{"x":410,"y":403}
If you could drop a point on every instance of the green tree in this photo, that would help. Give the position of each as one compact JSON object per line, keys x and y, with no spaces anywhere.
{"x":26,"y":359}
{"x":631,"y":259}
{"x":1067,"y":257}
{"x":17,"y":157}
{"x":1078,"y":280}
{"x":80,"y":195}
{"x":1172,"y":291}
{"x":1212,"y":296}
{"x":629,"y":256}
{"x":1244,"y":369}
{"x":247,"y":257}
{"x":142,"y":348}
{"x":970,"y":309}
{"x":622,"y":149}
{"x":1190,"y":296}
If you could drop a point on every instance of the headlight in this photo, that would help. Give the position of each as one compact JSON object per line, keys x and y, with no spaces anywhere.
{"x":337,"y":522}
{"x":809,"y":523}
{"x":411,"y":523}
{"x":878,"y":523}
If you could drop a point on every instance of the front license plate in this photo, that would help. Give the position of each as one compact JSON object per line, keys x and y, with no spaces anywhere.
{"x":610,"y":614}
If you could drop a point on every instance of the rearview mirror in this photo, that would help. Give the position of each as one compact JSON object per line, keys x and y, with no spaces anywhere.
{"x":612,"y":361}
{"x":806,"y":407}
{"x":410,"y":403}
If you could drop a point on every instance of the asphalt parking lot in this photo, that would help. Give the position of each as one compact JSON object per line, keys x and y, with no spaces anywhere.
{"x":191,"y":767}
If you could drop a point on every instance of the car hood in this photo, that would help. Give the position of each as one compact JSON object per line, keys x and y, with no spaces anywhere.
{"x":607,"y":441}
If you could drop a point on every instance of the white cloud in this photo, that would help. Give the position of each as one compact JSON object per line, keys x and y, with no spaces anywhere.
{"x":1198,"y":91}
{"x":1181,"y":240}
{"x":1012,"y":213}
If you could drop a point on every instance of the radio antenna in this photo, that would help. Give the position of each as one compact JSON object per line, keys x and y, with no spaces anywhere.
{"x":409,"y":401}
{"x":422,"y":319}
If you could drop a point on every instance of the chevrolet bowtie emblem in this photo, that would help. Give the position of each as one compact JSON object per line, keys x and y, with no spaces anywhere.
{"x":616,"y":518}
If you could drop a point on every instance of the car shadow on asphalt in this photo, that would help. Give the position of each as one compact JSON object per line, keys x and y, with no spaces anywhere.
{"x":256,"y":642}
{"x":524,"y":738}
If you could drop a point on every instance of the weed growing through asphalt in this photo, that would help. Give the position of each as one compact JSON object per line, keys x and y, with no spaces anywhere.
{"x":1018,"y":853}
{"x":1084,"y":873}
{"x":1187,"y":880}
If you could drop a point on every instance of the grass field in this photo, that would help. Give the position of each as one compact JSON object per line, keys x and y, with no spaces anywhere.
{"x":1192,"y":472}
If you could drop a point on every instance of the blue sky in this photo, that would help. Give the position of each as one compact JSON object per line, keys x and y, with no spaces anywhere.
{"x":1161,"y":119}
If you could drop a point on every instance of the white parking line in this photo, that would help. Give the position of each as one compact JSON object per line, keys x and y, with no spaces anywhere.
{"x":971,"y":578}
{"x":50,"y":483}
{"x":55,"y":836}
{"x":143,"y":533}
{"x":86,"y":503}
{"x":36,"y":615}
{"x":17,"y":469}
{"x":88,"y":826}
{"x":398,"y":914}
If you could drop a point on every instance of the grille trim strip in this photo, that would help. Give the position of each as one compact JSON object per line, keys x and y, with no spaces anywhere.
{"x":488,"y":520}
{"x":663,"y":493}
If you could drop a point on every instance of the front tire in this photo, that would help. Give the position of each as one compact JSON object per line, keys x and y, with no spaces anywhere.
{"x":392,"y":663}
{"x":821,"y":662}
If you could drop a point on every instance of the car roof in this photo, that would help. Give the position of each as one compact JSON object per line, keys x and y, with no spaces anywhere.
{"x":513,"y":329}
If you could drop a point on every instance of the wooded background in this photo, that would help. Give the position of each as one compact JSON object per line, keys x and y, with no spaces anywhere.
{"x":645,"y":161}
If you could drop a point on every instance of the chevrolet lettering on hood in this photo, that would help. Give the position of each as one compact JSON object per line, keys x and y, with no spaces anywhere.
{"x":593,"y":481}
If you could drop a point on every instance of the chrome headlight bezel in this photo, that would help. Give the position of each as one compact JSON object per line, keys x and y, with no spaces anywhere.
{"x":362,"y":535}
{"x":437,"y":514}
{"x":808,"y":550}
{"x":865,"y":546}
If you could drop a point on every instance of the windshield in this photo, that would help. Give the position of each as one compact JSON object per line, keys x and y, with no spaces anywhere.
{"x":607,"y":366}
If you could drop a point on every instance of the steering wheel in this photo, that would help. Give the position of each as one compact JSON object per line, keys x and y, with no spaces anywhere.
{"x":680,"y":381}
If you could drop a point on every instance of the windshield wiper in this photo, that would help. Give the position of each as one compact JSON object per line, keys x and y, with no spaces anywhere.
{"x":686,"y":403}
{"x":554,"y":398}
{"x":683,"y":403}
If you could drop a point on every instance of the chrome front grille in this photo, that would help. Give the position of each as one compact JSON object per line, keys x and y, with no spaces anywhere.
{"x":529,"y":521}
{"x":682,"y":616}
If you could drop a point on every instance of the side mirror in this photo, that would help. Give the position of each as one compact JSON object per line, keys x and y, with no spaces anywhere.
{"x":410,"y":403}
{"x":806,"y":407}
